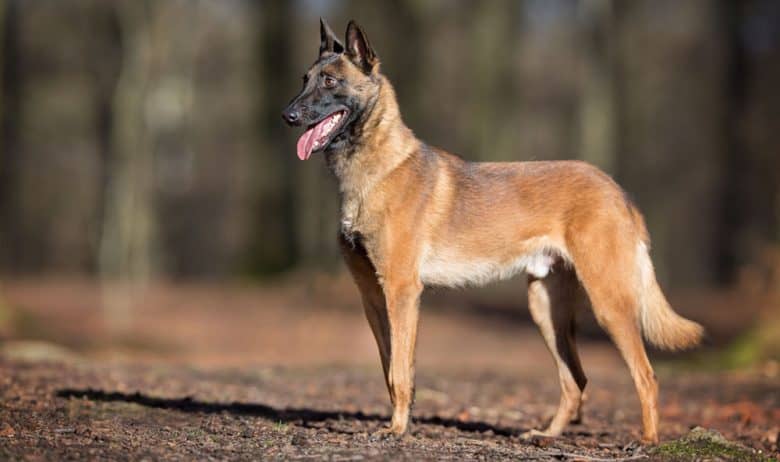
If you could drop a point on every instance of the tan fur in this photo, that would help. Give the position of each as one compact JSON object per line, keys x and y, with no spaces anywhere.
{"x":414,"y":216}
{"x":660,"y":324}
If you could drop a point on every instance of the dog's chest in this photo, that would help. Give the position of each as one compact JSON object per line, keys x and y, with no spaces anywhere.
{"x":350,"y":210}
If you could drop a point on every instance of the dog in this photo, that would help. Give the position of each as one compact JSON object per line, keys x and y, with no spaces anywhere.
{"x":413,"y":215}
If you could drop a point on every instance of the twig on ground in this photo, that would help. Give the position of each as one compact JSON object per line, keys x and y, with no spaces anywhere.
{"x":575,"y":456}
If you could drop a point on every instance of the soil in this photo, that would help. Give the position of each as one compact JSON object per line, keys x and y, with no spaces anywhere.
{"x":227,"y":373}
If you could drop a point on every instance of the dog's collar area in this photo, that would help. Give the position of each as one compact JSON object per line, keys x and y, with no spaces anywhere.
{"x":353,"y":237}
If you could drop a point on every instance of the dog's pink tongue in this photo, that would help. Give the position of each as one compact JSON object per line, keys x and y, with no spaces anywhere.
{"x":307,"y":139}
{"x":305,"y":143}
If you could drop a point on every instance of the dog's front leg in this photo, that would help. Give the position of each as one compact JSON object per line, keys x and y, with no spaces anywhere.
{"x":392,"y":309}
{"x":403,"y":304}
{"x":365,"y":277}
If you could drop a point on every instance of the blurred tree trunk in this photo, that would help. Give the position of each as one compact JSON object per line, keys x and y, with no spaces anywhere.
{"x":751,"y":212}
{"x":10,"y":83}
{"x":672,"y":89}
{"x":4,"y":312}
{"x":276,"y":229}
{"x":127,"y":244}
{"x":597,"y":100}
{"x":491,"y":38}
{"x":3,"y":186}
{"x":104,"y":68}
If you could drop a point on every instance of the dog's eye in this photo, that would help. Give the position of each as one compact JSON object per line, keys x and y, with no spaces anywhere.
{"x":329,"y":82}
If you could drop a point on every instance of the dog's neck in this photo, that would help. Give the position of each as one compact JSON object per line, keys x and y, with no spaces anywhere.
{"x":379,"y":142}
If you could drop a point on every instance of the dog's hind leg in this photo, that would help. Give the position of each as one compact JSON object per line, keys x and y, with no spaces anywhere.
{"x":552,"y":302}
{"x":624,"y":329}
{"x":607,"y":269}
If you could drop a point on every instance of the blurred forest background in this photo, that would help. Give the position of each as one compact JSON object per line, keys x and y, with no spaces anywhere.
{"x":170,"y":284}
{"x":142,"y":140}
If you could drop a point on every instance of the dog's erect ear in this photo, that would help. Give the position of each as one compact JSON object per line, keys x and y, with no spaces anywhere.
{"x":328,"y":40}
{"x":359,"y":49}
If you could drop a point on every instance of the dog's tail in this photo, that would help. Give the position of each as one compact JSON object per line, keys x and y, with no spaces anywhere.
{"x":661,"y":326}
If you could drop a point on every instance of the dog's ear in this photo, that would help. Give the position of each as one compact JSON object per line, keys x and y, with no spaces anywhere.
{"x":328,"y":40}
{"x":359,"y":48}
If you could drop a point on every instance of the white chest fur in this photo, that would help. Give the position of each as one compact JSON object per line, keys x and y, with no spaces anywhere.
{"x":350,"y":207}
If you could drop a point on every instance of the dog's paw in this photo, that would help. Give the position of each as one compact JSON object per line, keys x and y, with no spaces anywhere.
{"x":650,"y":440}
{"x":386,"y":434}
{"x":534,"y":433}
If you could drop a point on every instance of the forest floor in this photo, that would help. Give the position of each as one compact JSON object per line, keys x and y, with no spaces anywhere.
{"x":291,"y":372}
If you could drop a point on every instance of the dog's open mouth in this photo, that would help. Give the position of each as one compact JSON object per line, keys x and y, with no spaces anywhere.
{"x":318,"y":136}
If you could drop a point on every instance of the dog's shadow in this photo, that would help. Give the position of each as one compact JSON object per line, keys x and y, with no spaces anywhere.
{"x":296,"y":416}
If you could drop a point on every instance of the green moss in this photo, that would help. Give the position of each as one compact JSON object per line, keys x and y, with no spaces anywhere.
{"x":702,"y":444}
{"x":745,"y":351}
{"x":753,"y":347}
{"x":281,"y":427}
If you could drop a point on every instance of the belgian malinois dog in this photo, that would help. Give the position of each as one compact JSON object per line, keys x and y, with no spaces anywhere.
{"x":413,"y":215}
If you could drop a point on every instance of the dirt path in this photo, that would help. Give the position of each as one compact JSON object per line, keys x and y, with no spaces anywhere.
{"x":79,"y":410}
{"x":250,"y":373}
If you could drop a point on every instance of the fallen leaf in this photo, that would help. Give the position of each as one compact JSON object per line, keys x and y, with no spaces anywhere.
{"x":7,"y":431}
{"x":773,"y":435}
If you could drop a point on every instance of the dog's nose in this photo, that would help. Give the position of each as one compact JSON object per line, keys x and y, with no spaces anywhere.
{"x":291,"y":116}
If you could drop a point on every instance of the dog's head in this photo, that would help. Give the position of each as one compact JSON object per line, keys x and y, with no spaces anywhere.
{"x":337,"y":90}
